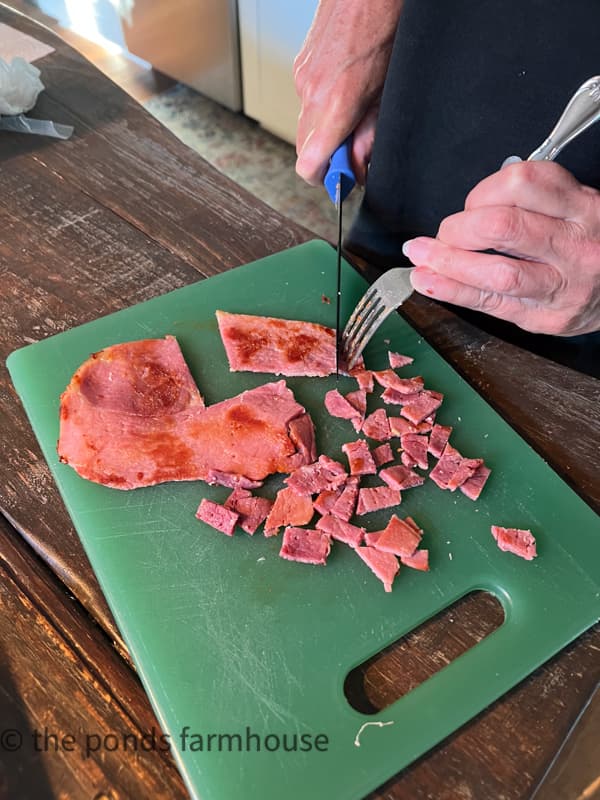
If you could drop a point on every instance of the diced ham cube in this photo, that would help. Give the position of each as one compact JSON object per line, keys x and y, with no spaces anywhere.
{"x":397,"y":360}
{"x":252,"y":510}
{"x":418,"y":560}
{"x":425,"y":404}
{"x":305,"y":545}
{"x":326,"y":500}
{"x":382,"y":455}
{"x":438,"y":439}
{"x":515,"y":540}
{"x":400,"y":426}
{"x":289,"y":508}
{"x":364,"y":378}
{"x":399,"y":398}
{"x":359,"y":458}
{"x":401,"y":477}
{"x":376,"y":426}
{"x":398,"y":538}
{"x":384,"y":565}
{"x":377,"y":498}
{"x":415,"y":446}
{"x":217,"y":516}
{"x":338,"y":406}
{"x":314,"y":478}
{"x":389,"y":380}
{"x":346,"y":503}
{"x":341,"y":530}
{"x":472,"y":487}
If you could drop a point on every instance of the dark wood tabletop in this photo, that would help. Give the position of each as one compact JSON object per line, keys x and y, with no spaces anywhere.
{"x":124,"y":212}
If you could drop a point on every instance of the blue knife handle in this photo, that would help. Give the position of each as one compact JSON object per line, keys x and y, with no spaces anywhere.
{"x":340,"y":171}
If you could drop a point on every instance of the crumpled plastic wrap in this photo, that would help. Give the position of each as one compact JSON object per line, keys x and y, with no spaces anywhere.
{"x":20,"y":86}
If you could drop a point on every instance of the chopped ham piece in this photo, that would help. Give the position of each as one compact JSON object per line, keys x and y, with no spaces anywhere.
{"x":389,"y":380}
{"x":407,"y":460}
{"x":230,"y":480}
{"x":132,"y":416}
{"x":359,"y":458}
{"x":438,"y":439}
{"x":515,"y":540}
{"x":289,"y":508}
{"x":217,"y":516}
{"x":252,"y":510}
{"x":400,"y":426}
{"x":302,"y":434}
{"x":453,"y":471}
{"x":426,"y":425}
{"x":410,"y":521}
{"x":415,"y":446}
{"x":346,"y":503}
{"x":314,"y":478}
{"x":466,"y":469}
{"x":384,"y":565}
{"x":358,"y":399}
{"x":472,"y":487}
{"x":341,"y":530}
{"x":382,"y":455}
{"x":398,"y":538}
{"x":376,"y":426}
{"x":391,"y":396}
{"x":446,"y":466}
{"x":426,"y":403}
{"x":338,"y":406}
{"x":364,"y":378}
{"x":377,"y":498}
{"x":401,"y":477}
{"x":326,"y":500}
{"x":279,"y":346}
{"x":397,"y":360}
{"x":371,"y":539}
{"x":304,"y":545}
{"x":418,"y":560}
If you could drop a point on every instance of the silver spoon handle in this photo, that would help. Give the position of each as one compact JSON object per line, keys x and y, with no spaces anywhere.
{"x":582,"y":110}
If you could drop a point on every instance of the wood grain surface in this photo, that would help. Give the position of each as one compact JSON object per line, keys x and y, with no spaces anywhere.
{"x":124,"y":212}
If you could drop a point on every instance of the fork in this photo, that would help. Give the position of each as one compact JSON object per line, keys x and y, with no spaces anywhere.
{"x":394,"y":287}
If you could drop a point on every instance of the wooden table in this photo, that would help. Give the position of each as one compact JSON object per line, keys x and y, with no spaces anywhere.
{"x":119,"y":214}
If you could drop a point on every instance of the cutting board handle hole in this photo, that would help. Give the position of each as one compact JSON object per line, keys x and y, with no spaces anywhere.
{"x":424,"y":651}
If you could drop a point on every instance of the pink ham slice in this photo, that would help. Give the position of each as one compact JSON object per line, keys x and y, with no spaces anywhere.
{"x":341,"y":530}
{"x":358,"y":400}
{"x":382,"y":455}
{"x":397,"y":360}
{"x":326,"y":500}
{"x":339,"y":406}
{"x":372,"y":538}
{"x":289,"y":508}
{"x":466,"y":469}
{"x":515,"y":540}
{"x":415,"y":447}
{"x":401,"y":477}
{"x":131,"y":416}
{"x":217,"y":516}
{"x":384,"y":565}
{"x":398,"y":537}
{"x":438,"y":439}
{"x":425,"y":404}
{"x":391,"y":396}
{"x":376,"y":426}
{"x":305,"y":545}
{"x":399,"y":426}
{"x":453,"y":471}
{"x":472,"y":487}
{"x":389,"y":380}
{"x":376,"y":498}
{"x":344,"y":506}
{"x":279,"y":346}
{"x":364,"y":378}
{"x":251,"y":510}
{"x":419,"y":560}
{"x":359,"y":458}
{"x":324,"y":474}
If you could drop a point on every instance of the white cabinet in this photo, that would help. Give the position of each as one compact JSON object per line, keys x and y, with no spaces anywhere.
{"x":271,"y":34}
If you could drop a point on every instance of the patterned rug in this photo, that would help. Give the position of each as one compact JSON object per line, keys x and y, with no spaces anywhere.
{"x":249,"y":155}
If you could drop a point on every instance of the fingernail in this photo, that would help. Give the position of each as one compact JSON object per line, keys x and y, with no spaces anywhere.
{"x":510,"y":160}
{"x":416,"y":249}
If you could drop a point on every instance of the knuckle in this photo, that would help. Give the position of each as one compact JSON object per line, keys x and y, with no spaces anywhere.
{"x":508,"y":277}
{"x":490,"y":302}
{"x":503,"y":224}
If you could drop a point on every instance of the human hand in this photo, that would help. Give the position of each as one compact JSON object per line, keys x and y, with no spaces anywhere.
{"x":339,"y":75}
{"x":539,"y":214}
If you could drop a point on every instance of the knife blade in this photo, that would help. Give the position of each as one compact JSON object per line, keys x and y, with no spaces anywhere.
{"x":339,"y":181}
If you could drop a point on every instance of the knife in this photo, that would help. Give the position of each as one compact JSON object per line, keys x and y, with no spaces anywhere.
{"x":339,"y":181}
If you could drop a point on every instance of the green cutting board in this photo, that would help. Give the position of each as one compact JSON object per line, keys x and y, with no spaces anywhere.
{"x":229,"y":638}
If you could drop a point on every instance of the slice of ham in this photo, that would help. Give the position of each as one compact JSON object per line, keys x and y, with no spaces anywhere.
{"x":453,"y":470}
{"x":305,"y":545}
{"x":391,"y":396}
{"x":425,"y":404}
{"x":326,"y":500}
{"x":466,"y":469}
{"x":384,"y":565}
{"x":131,"y":416}
{"x":401,"y":477}
{"x":376,"y":426}
{"x":389,"y":380}
{"x":252,"y":510}
{"x":398,"y":538}
{"x":279,"y":346}
{"x":515,"y":540}
{"x":372,"y":538}
{"x":364,"y":378}
{"x":400,"y":426}
{"x":217,"y":516}
{"x":341,"y":530}
{"x":472,"y":487}
{"x":382,"y":455}
{"x":415,"y":447}
{"x":324,"y":474}
{"x":376,"y":498}
{"x":397,"y":360}
{"x":289,"y":508}
{"x":419,"y":560}
{"x":346,"y":503}
{"x":438,"y":439}
{"x":215,"y":477}
{"x":359,"y":458}
{"x":446,"y":466}
{"x":358,"y":399}
{"x":339,"y":406}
